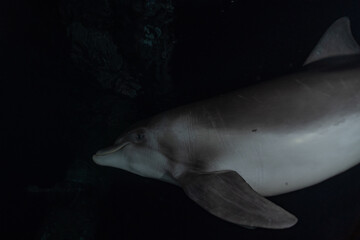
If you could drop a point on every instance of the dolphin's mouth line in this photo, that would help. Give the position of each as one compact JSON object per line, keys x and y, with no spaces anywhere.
{"x":111,"y":149}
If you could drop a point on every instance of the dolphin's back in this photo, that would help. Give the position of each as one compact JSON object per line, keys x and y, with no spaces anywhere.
{"x":284,"y":134}
{"x":291,"y":132}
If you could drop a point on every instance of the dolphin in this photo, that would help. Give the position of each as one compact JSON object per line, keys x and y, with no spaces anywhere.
{"x":230,"y":152}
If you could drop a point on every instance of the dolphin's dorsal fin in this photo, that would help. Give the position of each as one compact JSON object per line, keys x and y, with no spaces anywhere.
{"x":336,"y":41}
{"x":226,"y":195}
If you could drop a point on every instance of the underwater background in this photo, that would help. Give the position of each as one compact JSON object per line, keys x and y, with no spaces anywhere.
{"x":75,"y":73}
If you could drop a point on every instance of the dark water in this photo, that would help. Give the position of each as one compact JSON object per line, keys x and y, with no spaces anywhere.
{"x":71,"y":72}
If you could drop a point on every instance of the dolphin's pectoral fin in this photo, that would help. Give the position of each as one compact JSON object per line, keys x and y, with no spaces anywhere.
{"x":225,"y":194}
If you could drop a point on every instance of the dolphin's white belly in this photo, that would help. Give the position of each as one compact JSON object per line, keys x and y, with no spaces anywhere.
{"x":279,"y":162}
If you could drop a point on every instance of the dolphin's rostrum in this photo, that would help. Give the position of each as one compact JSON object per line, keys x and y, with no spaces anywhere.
{"x":274,"y":137}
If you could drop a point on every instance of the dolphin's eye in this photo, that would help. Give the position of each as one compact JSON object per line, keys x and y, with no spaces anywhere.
{"x":139,"y":137}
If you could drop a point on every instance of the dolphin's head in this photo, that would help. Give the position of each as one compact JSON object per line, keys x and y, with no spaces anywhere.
{"x":136,"y":151}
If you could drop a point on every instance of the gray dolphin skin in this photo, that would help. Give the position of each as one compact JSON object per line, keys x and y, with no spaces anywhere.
{"x":229,"y":152}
